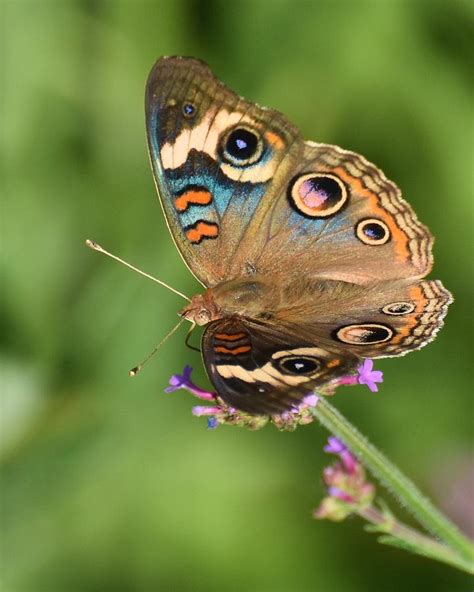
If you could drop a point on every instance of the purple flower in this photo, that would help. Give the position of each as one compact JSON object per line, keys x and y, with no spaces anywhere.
{"x":200,"y":410}
{"x":212,"y":423}
{"x":311,"y":400}
{"x":183,"y":381}
{"x":339,"y":494}
{"x":335,"y":446}
{"x":365,"y":375}
{"x":178,"y":381}
{"x":368,"y":376}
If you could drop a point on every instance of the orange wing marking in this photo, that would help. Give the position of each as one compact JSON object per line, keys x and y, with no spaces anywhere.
{"x":230,"y":336}
{"x":275,"y":140}
{"x":220,"y":349}
{"x":200,"y":197}
{"x":201,"y":230}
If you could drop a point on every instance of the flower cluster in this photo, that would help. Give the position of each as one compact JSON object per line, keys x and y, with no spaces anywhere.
{"x":347,"y":488}
{"x":218,"y":412}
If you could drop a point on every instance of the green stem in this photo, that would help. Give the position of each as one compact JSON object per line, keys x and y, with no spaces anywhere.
{"x":389,"y":475}
{"x":413,"y":540}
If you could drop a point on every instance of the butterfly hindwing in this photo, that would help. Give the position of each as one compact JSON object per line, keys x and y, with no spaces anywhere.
{"x":260,"y":369}
{"x":382,"y":319}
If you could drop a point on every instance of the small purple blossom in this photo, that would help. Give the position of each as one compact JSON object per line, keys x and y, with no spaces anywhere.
{"x":311,"y":400}
{"x":212,"y":423}
{"x":200,"y":410}
{"x":336,"y":446}
{"x":368,"y":376}
{"x":365,"y":375}
{"x":178,"y":381}
{"x":183,"y":381}
{"x":339,"y":494}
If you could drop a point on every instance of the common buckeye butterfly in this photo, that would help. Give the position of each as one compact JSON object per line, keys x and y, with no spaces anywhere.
{"x":310,"y":257}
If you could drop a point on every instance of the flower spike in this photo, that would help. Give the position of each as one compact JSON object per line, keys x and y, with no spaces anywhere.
{"x":347,"y":488}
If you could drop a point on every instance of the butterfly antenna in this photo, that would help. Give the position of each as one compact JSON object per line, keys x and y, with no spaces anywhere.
{"x":95,"y":247}
{"x":134,"y":371}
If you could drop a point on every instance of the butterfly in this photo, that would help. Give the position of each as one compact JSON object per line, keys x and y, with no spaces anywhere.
{"x":310,"y":258}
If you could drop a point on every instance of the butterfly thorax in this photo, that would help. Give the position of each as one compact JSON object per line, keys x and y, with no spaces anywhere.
{"x":263,"y":297}
{"x":249,"y":297}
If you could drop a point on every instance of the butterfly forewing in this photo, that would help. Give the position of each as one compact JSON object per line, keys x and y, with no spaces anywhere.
{"x":216,"y":159}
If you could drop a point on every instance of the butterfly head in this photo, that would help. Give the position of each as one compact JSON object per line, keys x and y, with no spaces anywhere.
{"x":201,"y":310}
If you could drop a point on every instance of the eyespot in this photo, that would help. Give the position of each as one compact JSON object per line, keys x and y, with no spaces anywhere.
{"x":372,"y":231}
{"x":399,"y":308}
{"x":364,"y":334}
{"x":318,"y":195}
{"x":242,"y":147}
{"x":299,"y":365}
{"x":188,"y":110}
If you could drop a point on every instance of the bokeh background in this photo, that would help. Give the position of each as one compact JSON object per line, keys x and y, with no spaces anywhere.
{"x":107,"y":483}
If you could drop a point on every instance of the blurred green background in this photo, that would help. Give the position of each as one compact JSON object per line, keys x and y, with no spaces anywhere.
{"x":107,"y":483}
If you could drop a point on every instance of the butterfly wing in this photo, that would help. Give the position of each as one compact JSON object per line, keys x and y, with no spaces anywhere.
{"x":382,"y":319}
{"x":264,"y":370}
{"x":215,"y":157}
{"x":242,"y":192}
{"x":314,"y":332}
{"x":337,"y":217}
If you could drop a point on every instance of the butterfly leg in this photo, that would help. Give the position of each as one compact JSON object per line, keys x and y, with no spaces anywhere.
{"x":188,"y":336}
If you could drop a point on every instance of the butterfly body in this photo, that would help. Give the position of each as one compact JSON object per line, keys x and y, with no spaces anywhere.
{"x":311,"y":258}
